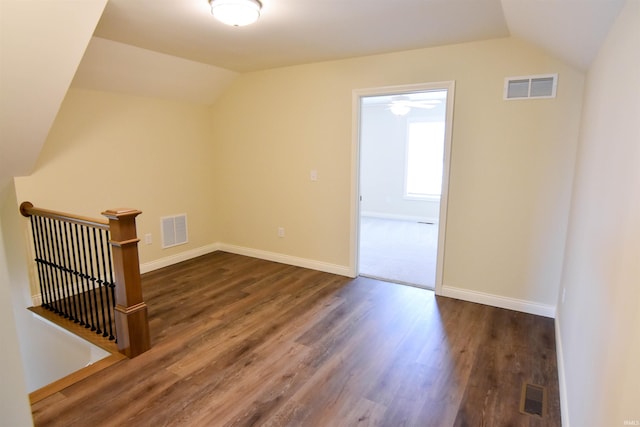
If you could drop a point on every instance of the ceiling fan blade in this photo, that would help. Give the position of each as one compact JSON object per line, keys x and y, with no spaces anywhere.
{"x":424,"y":102}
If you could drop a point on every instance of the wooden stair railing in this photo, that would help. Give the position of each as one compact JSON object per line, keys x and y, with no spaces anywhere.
{"x":129,"y":309}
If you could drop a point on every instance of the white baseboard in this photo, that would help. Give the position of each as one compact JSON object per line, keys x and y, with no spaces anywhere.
{"x":447,"y":291}
{"x":381,"y":215}
{"x":288,"y":259}
{"x":564,"y":403}
{"x":36,"y":300}
{"x":499,"y":301}
{"x":254,"y":253}
{"x":182,"y":256}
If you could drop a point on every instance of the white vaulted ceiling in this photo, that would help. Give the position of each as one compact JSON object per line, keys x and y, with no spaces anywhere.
{"x":571,"y":30}
{"x":300,"y":31}
{"x":175,"y":49}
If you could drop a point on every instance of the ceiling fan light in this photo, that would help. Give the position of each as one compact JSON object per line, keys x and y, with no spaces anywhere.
{"x":236,"y":12}
{"x":399,"y":108}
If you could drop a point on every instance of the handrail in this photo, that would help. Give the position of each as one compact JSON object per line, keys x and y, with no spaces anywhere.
{"x":27,"y":209}
{"x":129,"y":311}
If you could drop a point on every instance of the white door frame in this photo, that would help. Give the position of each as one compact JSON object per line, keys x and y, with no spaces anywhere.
{"x":357,"y":95}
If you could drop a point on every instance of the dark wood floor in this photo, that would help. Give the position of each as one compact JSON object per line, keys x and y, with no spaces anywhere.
{"x":241,"y":341}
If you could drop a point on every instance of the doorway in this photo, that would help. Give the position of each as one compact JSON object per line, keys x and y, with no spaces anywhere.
{"x":403,"y":149}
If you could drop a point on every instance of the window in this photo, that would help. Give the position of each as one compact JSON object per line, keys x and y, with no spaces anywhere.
{"x":425,"y":155}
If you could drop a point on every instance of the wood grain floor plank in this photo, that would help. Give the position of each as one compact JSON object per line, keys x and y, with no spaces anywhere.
{"x":239,"y":341}
{"x":504,"y":361}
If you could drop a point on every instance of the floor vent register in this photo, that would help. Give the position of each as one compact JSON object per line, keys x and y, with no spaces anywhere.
{"x":533,"y":400}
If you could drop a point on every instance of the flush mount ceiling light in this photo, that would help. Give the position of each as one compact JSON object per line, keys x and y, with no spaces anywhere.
{"x":236,"y":12}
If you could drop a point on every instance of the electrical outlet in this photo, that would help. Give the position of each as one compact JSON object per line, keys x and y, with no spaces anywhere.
{"x":148,"y":239}
{"x":280,"y":231}
{"x":313,"y":175}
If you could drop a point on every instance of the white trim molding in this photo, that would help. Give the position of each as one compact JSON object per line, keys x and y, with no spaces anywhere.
{"x":382,"y":215}
{"x":180,"y":257}
{"x":36,"y":300}
{"x":341,"y":270}
{"x":500,"y":301}
{"x":562,"y":384}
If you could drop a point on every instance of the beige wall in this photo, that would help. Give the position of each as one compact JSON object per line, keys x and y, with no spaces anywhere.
{"x":241,"y":169}
{"x":14,"y":403}
{"x":511,"y":172}
{"x":108,"y":150}
{"x":600,"y":317}
{"x":41,"y":44}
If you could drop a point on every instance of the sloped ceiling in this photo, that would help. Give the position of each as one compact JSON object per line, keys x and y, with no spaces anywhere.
{"x":300,"y":31}
{"x":118,"y":67}
{"x":41,"y":46}
{"x":134,"y":36}
{"x":571,"y":30}
{"x":175,"y":49}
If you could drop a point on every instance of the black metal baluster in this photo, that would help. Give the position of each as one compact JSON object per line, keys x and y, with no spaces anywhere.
{"x":59,"y":288}
{"x":67,"y":242}
{"x":39,"y":258}
{"x":93,"y":287}
{"x":78,"y":275}
{"x":105,"y":287}
{"x":44,"y":237}
{"x":112,"y":285}
{"x":57,"y":304}
{"x":59,"y":264}
{"x":51,"y":270}
{"x":46,"y":301}
{"x":99,"y":281}
{"x":66,"y":266}
{"x":87,"y":283}
{"x":85,"y":279}
{"x":73,"y":265}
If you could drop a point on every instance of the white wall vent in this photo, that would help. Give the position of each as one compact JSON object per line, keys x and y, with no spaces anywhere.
{"x":540,"y":86}
{"x":174,"y":230}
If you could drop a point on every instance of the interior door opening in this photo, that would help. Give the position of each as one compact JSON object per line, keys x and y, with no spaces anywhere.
{"x":403,"y":152}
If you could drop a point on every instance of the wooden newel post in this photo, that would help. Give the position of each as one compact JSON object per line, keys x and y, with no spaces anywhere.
{"x":132,"y":324}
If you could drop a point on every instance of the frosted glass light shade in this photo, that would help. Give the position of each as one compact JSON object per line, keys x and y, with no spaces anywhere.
{"x":236,"y":12}
{"x":399,"y":109}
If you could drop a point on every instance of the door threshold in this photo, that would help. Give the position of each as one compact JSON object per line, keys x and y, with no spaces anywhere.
{"x":398,"y":282}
